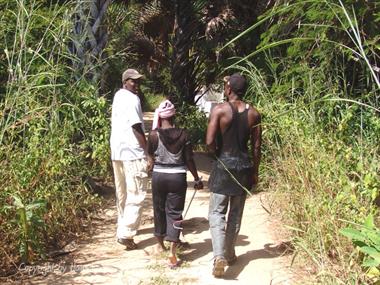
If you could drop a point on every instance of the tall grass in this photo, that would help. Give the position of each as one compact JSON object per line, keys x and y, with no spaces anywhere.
{"x":320,"y":178}
{"x":320,"y":151}
{"x":53,"y":134}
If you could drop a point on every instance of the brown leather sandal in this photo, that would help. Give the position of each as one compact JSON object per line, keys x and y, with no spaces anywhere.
{"x":129,"y":243}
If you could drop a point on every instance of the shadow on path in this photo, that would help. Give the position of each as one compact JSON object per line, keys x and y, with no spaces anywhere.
{"x":269,"y":251}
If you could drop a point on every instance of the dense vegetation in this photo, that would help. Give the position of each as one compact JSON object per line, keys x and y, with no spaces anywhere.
{"x":319,"y":93}
{"x":313,"y":69}
{"x":54,"y":131}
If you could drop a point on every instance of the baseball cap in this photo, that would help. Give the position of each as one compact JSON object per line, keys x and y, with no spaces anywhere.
{"x":237,"y":83}
{"x":131,"y":73}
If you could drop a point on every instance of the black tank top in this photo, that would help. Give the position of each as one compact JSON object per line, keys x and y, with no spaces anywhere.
{"x":235,"y":138}
{"x":232,"y":171}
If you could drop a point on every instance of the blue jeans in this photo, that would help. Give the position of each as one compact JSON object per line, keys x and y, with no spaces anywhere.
{"x":224,"y":233}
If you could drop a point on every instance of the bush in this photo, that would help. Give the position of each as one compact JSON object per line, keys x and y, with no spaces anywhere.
{"x":151,"y":101}
{"x":54,"y":132}
{"x":317,"y":93}
{"x":195,"y":121}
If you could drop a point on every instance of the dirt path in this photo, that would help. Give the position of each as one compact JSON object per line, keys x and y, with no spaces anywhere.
{"x":100,"y":260}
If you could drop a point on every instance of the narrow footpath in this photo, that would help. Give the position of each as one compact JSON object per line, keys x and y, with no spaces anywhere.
{"x":263,"y":257}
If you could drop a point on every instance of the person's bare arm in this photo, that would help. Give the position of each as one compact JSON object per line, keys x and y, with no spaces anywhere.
{"x":256,"y":145}
{"x":191,"y":166}
{"x":151,"y":146}
{"x":212,"y":129}
{"x":139,"y":133}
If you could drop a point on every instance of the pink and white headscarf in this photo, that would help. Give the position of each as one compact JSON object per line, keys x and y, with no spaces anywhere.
{"x":165,"y":110}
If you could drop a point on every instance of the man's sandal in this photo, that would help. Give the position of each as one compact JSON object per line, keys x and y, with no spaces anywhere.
{"x":129,"y":243}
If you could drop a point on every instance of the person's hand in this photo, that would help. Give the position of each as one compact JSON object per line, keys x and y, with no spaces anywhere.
{"x":149,"y":165}
{"x":198,"y":185}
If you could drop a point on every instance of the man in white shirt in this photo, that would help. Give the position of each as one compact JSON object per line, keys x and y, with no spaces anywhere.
{"x":128,"y":157}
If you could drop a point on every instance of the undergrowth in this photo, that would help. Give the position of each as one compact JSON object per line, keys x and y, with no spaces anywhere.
{"x":54,"y":131}
{"x":318,"y":92}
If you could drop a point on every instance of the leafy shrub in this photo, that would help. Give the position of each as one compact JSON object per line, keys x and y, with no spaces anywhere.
{"x":54,"y":132}
{"x":367,"y":239}
{"x":317,"y":92}
{"x":195,"y":121}
{"x":152,"y":101}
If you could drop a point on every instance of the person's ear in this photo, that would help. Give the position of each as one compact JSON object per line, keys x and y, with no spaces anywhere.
{"x":228,"y":89}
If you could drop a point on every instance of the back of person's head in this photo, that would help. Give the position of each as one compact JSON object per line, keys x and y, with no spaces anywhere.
{"x":165,"y":110}
{"x":238,"y":84}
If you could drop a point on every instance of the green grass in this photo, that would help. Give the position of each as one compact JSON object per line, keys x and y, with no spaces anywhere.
{"x":54,"y":133}
{"x":320,"y":135}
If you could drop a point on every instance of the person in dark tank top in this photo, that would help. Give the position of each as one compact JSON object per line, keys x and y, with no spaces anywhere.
{"x":170,"y":154}
{"x":232,"y":125}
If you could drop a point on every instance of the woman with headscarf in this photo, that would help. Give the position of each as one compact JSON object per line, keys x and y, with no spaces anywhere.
{"x":170,"y":154}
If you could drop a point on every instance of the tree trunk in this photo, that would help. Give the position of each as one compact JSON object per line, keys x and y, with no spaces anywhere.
{"x":89,"y":38}
{"x":183,"y":76}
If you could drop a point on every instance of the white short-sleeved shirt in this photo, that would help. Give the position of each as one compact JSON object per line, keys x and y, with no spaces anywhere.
{"x":126,"y":112}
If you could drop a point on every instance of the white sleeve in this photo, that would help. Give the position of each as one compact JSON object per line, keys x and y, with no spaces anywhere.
{"x":135,"y":112}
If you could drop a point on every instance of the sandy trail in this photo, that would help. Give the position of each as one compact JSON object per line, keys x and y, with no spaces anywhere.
{"x":100,"y":260}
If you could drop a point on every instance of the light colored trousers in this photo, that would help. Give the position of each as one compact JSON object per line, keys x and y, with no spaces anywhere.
{"x":224,"y":232}
{"x":131,"y":181}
